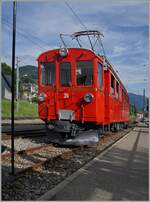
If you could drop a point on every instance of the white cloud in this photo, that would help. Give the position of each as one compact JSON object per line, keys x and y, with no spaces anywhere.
{"x":118,"y":50}
{"x":127,"y":49}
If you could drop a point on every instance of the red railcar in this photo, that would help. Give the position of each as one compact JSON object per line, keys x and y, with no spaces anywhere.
{"x":78,"y":88}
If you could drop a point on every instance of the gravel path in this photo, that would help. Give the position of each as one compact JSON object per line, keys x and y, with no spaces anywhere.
{"x":62,"y":163}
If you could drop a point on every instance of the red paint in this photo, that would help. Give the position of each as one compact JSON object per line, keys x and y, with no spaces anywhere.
{"x":104,"y":109}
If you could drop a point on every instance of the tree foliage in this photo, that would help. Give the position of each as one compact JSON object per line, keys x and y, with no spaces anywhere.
{"x":133,"y":110}
{"x":6,"y":69}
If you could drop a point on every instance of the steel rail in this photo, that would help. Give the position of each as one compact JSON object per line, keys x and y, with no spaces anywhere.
{"x":25,"y":151}
{"x":6,"y":135}
{"x":42,"y":164}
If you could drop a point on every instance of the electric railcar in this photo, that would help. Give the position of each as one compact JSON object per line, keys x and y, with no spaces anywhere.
{"x":79,"y":89}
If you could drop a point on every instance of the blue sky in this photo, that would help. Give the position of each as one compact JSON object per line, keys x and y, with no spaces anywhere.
{"x":124,"y":24}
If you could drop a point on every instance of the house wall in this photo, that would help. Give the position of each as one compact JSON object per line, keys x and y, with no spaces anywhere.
{"x":6,"y":92}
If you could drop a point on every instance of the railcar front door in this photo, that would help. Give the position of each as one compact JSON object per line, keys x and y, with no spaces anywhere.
{"x":64,"y":92}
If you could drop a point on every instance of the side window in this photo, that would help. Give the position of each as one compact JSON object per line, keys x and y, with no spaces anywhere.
{"x":65,"y":74}
{"x":84,"y":73}
{"x":47,"y":73}
{"x":120,"y":93}
{"x":122,"y":98}
{"x":117,"y":89}
{"x":100,"y":75}
{"x":112,"y":85}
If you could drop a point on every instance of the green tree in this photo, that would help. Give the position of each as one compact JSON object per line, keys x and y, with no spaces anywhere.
{"x":133,"y":110}
{"x":6,"y":69}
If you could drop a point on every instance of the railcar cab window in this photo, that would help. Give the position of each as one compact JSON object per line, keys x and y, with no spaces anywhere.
{"x":100,"y":74}
{"x":65,"y":74}
{"x":47,"y":73}
{"x":112,"y":85}
{"x":84,"y":73}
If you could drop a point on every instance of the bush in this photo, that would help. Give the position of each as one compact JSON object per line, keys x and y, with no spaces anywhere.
{"x":34,"y":99}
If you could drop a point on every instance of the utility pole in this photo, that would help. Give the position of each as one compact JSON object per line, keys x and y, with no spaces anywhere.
{"x":17,"y":84}
{"x":143,"y":102}
{"x":12,"y":92}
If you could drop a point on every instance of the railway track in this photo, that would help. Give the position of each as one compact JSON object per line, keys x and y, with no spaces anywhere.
{"x":50,"y":165}
{"x":24,"y":151}
{"x":24,"y":133}
{"x":67,"y":153}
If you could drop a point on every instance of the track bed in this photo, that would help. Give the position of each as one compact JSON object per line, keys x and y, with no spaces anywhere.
{"x":41,"y":170}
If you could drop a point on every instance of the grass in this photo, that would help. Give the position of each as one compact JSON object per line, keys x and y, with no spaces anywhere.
{"x":26,"y":109}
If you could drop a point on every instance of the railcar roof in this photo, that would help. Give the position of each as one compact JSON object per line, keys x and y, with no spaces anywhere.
{"x":101,"y":57}
{"x":57,"y":49}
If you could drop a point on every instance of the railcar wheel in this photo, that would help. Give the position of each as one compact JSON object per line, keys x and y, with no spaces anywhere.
{"x":100,"y":132}
{"x":117,"y":127}
{"x":64,"y":135}
{"x":125,"y":126}
{"x":46,"y":127}
{"x":74,"y":131}
{"x":114,"y":128}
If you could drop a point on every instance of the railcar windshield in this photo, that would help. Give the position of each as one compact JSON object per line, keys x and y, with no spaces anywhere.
{"x":47,"y":73}
{"x":65,"y":74}
{"x":84,"y":73}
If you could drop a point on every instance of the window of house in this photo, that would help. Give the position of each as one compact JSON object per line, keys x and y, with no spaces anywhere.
{"x":47,"y":73}
{"x":84,"y":73}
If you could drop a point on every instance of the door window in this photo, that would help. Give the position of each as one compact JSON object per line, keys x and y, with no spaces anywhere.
{"x":65,"y":74}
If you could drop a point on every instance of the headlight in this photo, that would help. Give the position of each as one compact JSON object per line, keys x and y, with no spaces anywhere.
{"x":88,"y":97}
{"x":41,"y":97}
{"x":63,"y":52}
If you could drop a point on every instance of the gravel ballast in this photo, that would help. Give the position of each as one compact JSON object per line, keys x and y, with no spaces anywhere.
{"x":62,"y":162}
